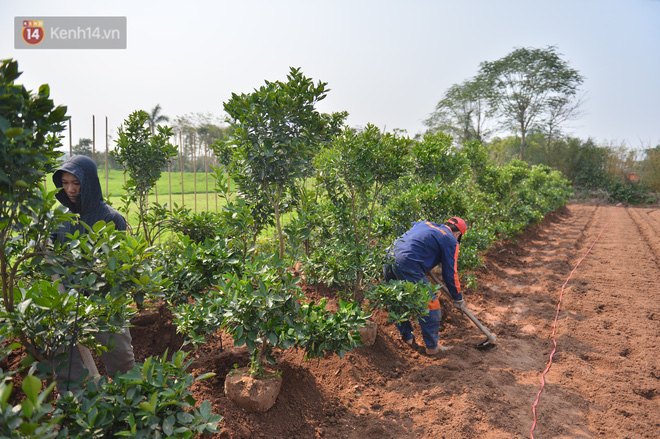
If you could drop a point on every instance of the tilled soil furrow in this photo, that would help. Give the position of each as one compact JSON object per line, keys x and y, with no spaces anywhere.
{"x":649,"y":227}
{"x":611,"y":347}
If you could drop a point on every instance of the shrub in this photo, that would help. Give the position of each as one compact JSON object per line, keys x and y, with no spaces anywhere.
{"x":200,"y":317}
{"x":626,"y":191}
{"x":29,"y":127}
{"x":262,"y":310}
{"x":32,"y":418}
{"x":402,"y":300}
{"x":143,"y":155}
{"x":101,"y":270}
{"x":194,"y":267}
{"x":152,"y":400}
{"x":323,"y":332}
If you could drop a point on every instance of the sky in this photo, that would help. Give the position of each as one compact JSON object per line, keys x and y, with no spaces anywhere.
{"x":386,"y":62}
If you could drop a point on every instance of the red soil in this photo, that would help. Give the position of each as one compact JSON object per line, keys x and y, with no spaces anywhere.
{"x":603,"y":381}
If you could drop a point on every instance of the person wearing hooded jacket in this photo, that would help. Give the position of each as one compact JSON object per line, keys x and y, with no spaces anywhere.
{"x":415,"y":253}
{"x":81,"y":194}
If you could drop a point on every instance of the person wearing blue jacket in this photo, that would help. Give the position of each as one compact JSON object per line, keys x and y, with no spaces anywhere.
{"x":81,"y":194}
{"x":415,"y":253}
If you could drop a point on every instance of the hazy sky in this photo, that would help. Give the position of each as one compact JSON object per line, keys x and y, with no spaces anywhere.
{"x":386,"y":62}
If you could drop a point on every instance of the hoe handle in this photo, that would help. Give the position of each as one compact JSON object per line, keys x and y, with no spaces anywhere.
{"x":85,"y":354}
{"x":466,"y":311}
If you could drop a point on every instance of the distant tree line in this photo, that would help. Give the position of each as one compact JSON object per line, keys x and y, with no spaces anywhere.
{"x":532,"y":95}
{"x":194,"y":135}
{"x":519,"y":107}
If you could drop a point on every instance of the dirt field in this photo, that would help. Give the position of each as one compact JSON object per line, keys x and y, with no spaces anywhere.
{"x":603,"y":381}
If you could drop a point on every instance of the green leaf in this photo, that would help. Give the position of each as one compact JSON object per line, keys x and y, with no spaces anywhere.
{"x":185,"y":417}
{"x":4,"y":124}
{"x":59,"y":113}
{"x":13,"y":132}
{"x":92,"y":415}
{"x":28,"y":360}
{"x":168,"y":425}
{"x":31,"y":386}
{"x":147,"y":407}
{"x":178,"y":359}
{"x":28,"y":408}
{"x":5,"y":392}
{"x":112,"y":263}
{"x":205,"y":376}
{"x":11,"y":71}
{"x":44,"y":91}
{"x":91,"y":279}
{"x":272,"y":338}
{"x":205,"y":409}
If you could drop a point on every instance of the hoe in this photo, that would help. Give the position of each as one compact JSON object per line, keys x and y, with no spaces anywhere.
{"x":485,"y":345}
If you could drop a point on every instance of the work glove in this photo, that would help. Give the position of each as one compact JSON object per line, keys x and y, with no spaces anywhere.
{"x":460,"y":304}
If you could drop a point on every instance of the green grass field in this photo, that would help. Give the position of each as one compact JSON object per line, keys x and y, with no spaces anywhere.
{"x":194,"y":195}
{"x":201,"y":184}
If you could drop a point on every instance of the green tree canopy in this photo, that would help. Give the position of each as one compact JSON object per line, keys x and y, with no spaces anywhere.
{"x":463,"y":112}
{"x":277,"y":131}
{"x":143,"y":155}
{"x":197,"y":134}
{"x":83,"y":147}
{"x":651,"y":168}
{"x":527,"y":85}
{"x":30,"y":127}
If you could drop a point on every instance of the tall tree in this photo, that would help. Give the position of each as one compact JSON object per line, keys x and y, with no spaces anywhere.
{"x":651,"y":168}
{"x":84,"y":147}
{"x":198,"y":132}
{"x":155,"y":118}
{"x":30,"y":127}
{"x":362,"y":164}
{"x":463,"y":112}
{"x":526,"y":84}
{"x":277,"y":132}
{"x":143,"y":155}
{"x":561,"y":109}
